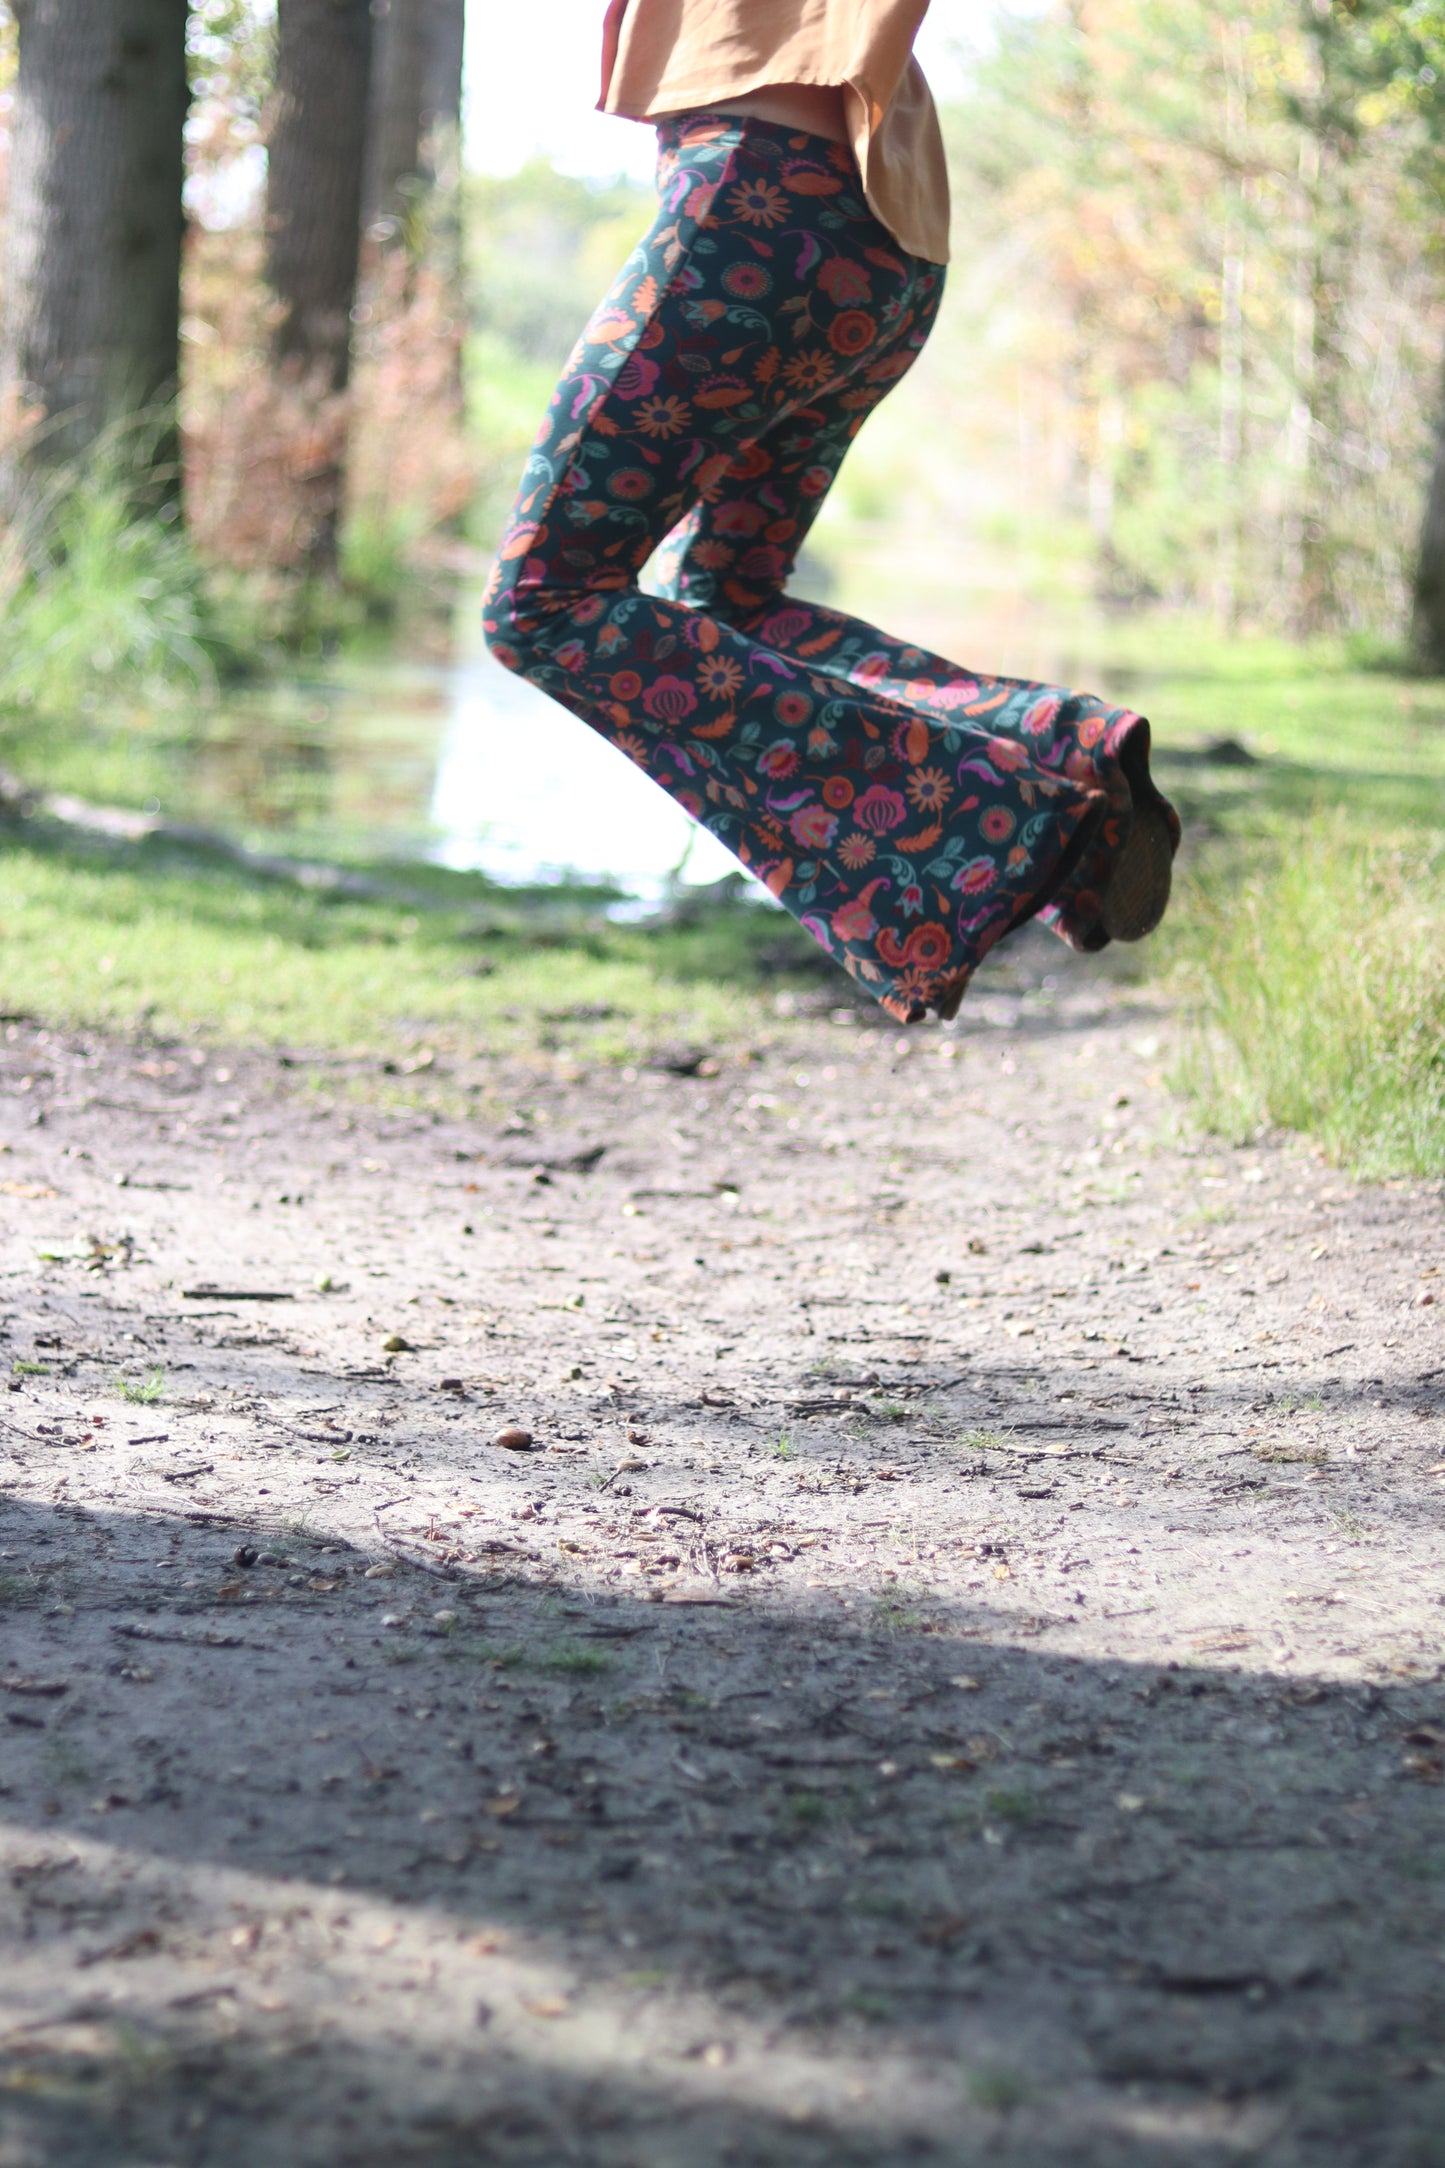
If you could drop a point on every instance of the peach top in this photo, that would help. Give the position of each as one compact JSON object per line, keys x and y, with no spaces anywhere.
{"x":677,"y":56}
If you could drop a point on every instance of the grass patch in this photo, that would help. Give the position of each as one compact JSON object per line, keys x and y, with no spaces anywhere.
{"x":145,"y":937}
{"x":572,"y":1661}
{"x":1316,"y":962}
{"x":146,"y":1390}
{"x":31,"y":1370}
{"x":997,"y":2087}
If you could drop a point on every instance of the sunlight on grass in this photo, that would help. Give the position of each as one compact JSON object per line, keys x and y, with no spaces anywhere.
{"x":204,"y":953}
{"x":146,"y":1390}
{"x":1318,"y":981}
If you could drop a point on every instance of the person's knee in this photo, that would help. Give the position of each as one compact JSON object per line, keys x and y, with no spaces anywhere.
{"x":508,"y":630}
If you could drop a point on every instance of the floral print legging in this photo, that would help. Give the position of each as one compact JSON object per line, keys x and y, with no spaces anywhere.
{"x":907,"y":811}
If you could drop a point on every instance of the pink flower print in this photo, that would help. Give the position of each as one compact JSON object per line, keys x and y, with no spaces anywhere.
{"x":636,"y":377}
{"x":871,"y":669}
{"x":780,"y":760}
{"x":880,"y":809}
{"x":743,"y":519}
{"x":979,"y":874}
{"x":588,"y":610}
{"x":669,"y":699}
{"x":813,"y":481}
{"x":746,"y":280}
{"x":855,"y":922}
{"x":630,"y":484}
{"x":911,"y":900}
{"x":1006,"y":755}
{"x":1091,"y":730}
{"x":1079,"y":768}
{"x":997,"y":824}
{"x":571,"y":655}
{"x":1041,"y":716}
{"x":783,"y":627}
{"x":766,"y":563}
{"x":792,"y":708}
{"x":814,"y":827}
{"x":957,"y":695}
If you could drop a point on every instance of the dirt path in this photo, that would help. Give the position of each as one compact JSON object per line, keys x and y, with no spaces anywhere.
{"x":957,"y":1676}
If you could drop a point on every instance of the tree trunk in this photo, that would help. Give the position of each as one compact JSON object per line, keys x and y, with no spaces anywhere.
{"x":394,"y":160}
{"x":1427,"y":623}
{"x":93,"y":231}
{"x":313,"y":228}
{"x":416,"y":106}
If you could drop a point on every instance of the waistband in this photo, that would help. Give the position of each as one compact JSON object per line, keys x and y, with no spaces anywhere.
{"x":770,"y":137}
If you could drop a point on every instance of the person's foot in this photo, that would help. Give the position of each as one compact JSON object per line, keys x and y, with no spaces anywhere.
{"x":1138,"y":890}
{"x":1137,"y":894}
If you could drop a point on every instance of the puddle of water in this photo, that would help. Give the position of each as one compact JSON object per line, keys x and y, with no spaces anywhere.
{"x":525,"y":791}
{"x":462,"y":764}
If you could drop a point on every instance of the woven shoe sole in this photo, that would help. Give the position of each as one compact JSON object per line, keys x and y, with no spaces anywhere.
{"x":1138,"y":891}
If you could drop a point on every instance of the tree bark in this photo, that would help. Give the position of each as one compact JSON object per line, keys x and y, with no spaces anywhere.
{"x":416,"y":106}
{"x":313,"y":230}
{"x":94,"y":223}
{"x":313,"y":188}
{"x":1427,"y":621}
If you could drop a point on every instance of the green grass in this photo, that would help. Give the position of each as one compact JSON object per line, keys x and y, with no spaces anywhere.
{"x":1305,"y":943}
{"x":146,"y":1390}
{"x":1314,"y":964}
{"x":127,"y":937}
{"x":573,"y":1662}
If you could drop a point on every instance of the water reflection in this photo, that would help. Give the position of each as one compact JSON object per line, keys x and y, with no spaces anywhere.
{"x":461,"y":763}
{"x":524,"y":791}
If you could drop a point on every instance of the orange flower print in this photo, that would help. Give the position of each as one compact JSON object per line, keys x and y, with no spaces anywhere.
{"x":662,"y":417}
{"x":929,"y":789}
{"x":757,"y":203}
{"x":927,"y":946}
{"x":719,"y":676}
{"x":855,"y":852}
{"x":852,"y":333}
{"x":809,"y":372}
{"x":702,"y":417}
{"x":843,"y":282}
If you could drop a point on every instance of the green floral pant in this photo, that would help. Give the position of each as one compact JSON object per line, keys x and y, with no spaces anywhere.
{"x":907,"y":811}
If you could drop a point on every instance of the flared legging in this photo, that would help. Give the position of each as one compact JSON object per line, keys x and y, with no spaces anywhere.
{"x":907,"y":811}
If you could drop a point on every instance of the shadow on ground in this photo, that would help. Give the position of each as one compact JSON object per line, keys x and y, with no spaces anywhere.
{"x":306,"y":1867}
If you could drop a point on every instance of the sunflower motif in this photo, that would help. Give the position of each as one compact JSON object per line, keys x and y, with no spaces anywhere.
{"x":755,"y":203}
{"x":719,"y":676}
{"x":810,"y":371}
{"x":929,"y":789}
{"x":855,"y":852}
{"x":662,"y":417}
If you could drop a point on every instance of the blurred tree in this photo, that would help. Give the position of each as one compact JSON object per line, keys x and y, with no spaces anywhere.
{"x":90,"y":329}
{"x":313,"y":233}
{"x":413,"y":160}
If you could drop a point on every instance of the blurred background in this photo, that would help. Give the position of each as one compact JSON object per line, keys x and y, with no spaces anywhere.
{"x":286,"y":283}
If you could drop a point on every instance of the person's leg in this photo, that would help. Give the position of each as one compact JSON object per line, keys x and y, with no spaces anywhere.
{"x":736,"y":550}
{"x":907,"y":846}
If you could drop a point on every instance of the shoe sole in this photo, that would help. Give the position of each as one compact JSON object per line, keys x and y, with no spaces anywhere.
{"x":1138,"y":891}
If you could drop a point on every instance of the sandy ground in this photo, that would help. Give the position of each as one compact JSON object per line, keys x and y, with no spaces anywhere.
{"x":957,"y":1675}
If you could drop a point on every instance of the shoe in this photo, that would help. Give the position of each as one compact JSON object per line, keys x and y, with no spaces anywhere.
{"x":1138,"y":891}
{"x":1137,"y":894}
